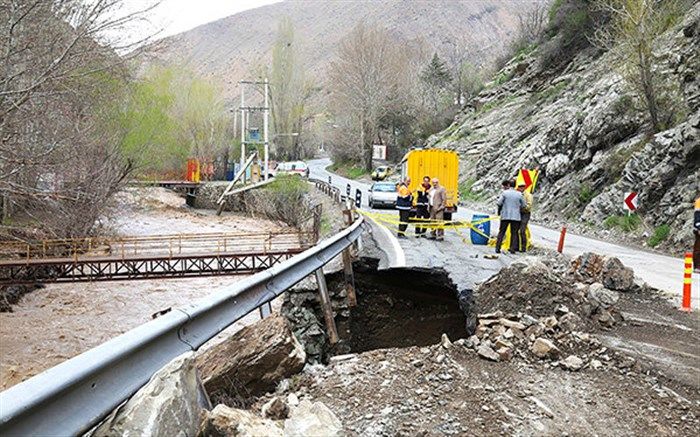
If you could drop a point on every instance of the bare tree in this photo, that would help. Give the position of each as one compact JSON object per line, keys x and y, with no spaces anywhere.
{"x":55,"y":71}
{"x":290,"y":93}
{"x":363,"y":79}
{"x":532,"y":24}
{"x":629,"y":37}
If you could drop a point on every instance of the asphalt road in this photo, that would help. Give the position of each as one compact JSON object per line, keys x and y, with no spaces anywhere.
{"x":466,"y":265}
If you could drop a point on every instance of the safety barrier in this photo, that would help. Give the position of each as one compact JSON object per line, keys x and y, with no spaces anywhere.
{"x":72,"y":397}
{"x":327,"y":188}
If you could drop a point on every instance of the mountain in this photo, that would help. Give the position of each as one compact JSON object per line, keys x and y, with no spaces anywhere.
{"x":230,"y":49}
{"x":582,"y":127}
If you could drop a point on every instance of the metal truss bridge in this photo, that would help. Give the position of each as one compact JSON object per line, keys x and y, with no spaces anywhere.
{"x":161,"y":256}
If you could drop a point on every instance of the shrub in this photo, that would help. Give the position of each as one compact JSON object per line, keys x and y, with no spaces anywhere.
{"x":571,"y":24}
{"x":659,"y":235}
{"x":466,"y":193}
{"x":585,"y":194}
{"x":284,"y":199}
{"x":626,"y":223}
{"x":348,"y":169}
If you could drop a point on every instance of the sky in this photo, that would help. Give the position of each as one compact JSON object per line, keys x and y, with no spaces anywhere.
{"x":175,"y":16}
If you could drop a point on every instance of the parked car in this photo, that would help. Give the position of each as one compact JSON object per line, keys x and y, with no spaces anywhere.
{"x":382,"y":194}
{"x":380,"y":173}
{"x":294,"y":167}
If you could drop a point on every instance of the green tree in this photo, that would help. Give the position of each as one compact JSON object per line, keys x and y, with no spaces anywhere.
{"x":435,"y":74}
{"x":629,"y":37}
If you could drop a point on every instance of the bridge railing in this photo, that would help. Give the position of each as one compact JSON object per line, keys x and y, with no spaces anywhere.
{"x":72,"y":397}
{"x":163,"y":245}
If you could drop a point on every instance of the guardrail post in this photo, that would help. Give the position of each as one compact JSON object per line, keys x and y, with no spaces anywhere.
{"x":265,"y":310}
{"x":326,"y":306}
{"x":347,"y":266}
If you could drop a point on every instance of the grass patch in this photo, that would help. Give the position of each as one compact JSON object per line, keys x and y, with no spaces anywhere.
{"x":585,"y":194}
{"x":348,"y":170}
{"x":550,"y":93}
{"x":617,"y":161}
{"x":288,"y":185}
{"x":660,"y":234}
{"x":625,"y":223}
{"x":325,"y":227}
{"x":466,"y":192}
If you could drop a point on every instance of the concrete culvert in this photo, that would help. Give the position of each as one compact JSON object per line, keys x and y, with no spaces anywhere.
{"x":396,"y":308}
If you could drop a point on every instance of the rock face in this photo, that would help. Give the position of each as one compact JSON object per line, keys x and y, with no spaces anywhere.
{"x":170,"y":404}
{"x":224,"y":421}
{"x":253,"y":360}
{"x":582,"y":128}
{"x":313,"y":420}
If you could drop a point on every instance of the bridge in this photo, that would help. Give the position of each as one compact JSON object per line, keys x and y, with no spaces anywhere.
{"x":160,"y":256}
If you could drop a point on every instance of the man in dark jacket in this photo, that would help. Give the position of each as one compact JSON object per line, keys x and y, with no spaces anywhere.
{"x":510,"y":204}
{"x":422,"y":206}
{"x":403,"y":204}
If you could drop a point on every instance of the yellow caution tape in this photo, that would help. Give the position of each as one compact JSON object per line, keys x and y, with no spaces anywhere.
{"x":392,"y":222}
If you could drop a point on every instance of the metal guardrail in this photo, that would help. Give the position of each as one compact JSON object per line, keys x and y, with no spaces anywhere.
{"x":72,"y":397}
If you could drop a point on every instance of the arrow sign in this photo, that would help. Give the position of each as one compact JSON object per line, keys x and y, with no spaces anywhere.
{"x":631,"y":201}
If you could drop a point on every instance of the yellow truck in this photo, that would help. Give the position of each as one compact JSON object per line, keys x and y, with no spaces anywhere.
{"x":435,"y":163}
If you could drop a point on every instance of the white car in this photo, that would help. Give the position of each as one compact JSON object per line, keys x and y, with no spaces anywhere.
{"x":293,"y":167}
{"x":383,"y":194}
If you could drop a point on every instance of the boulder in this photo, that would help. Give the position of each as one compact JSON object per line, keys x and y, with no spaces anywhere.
{"x":587,"y":267}
{"x":544,"y":348}
{"x":615,"y":275}
{"x":170,"y":404}
{"x":253,"y":360}
{"x":312,"y":420}
{"x":276,"y":409}
{"x":224,"y":421}
{"x":590,"y":267}
{"x":569,"y":322}
{"x":485,"y":351}
{"x":572,"y":362}
{"x":601,"y":297}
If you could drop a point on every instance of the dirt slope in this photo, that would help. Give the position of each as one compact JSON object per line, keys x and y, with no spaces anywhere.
{"x":228,"y":49}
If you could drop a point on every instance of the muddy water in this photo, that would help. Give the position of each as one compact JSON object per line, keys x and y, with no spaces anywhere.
{"x":60,"y":321}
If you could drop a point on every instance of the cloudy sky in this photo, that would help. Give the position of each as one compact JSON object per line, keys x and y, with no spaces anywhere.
{"x":175,"y":16}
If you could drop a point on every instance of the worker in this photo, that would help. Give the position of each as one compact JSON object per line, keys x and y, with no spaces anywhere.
{"x":437,"y":199}
{"x":403,"y":204}
{"x":510,"y":203}
{"x":422,"y":205}
{"x":524,"y":215}
{"x":696,"y":230}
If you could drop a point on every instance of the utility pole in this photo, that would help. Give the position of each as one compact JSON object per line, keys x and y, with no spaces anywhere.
{"x":266,"y":115}
{"x":243,"y":127}
{"x":245,"y":118}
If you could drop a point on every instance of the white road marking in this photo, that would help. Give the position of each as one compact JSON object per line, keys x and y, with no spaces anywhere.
{"x":400,"y":255}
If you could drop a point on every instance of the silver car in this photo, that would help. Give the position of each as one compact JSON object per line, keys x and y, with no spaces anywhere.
{"x":382,"y":194}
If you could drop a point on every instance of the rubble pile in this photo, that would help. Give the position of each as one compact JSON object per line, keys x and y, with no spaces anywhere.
{"x":535,"y":312}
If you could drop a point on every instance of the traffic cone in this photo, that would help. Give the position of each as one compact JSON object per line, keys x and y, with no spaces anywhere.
{"x":687,"y":280}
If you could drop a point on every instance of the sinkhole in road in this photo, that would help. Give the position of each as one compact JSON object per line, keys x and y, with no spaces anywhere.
{"x":403,"y":307}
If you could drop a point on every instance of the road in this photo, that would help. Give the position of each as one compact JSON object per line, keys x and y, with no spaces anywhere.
{"x":466,"y":264}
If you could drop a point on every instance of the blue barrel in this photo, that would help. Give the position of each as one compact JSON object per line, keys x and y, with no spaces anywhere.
{"x":484,"y":227}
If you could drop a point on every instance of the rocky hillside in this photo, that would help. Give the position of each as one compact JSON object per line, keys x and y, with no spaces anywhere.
{"x":229,"y":49}
{"x":580,"y":128}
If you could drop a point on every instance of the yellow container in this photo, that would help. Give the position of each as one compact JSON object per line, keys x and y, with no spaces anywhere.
{"x":435,"y":163}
